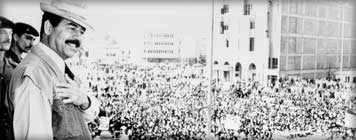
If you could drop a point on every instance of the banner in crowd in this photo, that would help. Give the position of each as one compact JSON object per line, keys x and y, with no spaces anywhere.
{"x":104,"y":123}
{"x":232,"y":122}
{"x":350,"y":119}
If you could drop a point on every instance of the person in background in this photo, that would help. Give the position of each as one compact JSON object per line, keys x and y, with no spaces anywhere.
{"x":6,"y":29}
{"x":24,"y":37}
{"x":22,"y":40}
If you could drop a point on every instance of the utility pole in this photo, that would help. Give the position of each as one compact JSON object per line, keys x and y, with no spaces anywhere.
{"x":210,"y":72}
{"x":329,"y":73}
{"x":342,"y":48}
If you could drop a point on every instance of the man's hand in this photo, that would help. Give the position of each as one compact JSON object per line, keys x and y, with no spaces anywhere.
{"x":70,"y":93}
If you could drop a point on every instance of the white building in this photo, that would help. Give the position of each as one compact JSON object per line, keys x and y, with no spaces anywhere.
{"x":161,"y":47}
{"x":265,"y":39}
{"x":240,"y":47}
{"x":106,"y":50}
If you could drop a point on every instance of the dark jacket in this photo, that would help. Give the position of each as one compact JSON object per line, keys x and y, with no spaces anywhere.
{"x":6,"y":129}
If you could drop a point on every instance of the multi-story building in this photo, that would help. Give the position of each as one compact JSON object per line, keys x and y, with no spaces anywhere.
{"x":161,"y":47}
{"x":261,"y":40}
{"x":313,"y":38}
{"x":106,"y":50}
{"x":240,"y":45}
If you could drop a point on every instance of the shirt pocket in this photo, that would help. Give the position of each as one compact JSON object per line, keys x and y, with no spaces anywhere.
{"x":65,"y":120}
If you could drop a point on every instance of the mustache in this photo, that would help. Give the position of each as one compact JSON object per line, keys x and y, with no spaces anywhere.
{"x":6,"y":41}
{"x":76,"y":42}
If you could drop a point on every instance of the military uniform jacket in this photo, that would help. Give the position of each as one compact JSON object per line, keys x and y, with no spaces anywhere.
{"x":6,"y":129}
{"x":13,"y":58}
{"x":5,"y":76}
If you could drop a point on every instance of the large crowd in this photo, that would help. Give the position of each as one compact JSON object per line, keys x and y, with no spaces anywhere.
{"x":169,"y":101}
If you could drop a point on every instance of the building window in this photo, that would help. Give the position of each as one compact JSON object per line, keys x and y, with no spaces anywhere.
{"x":247,"y":7}
{"x":226,"y":27}
{"x":252,"y":24}
{"x":252,"y":44}
{"x":273,"y":63}
{"x":225,"y":9}
{"x":223,"y":27}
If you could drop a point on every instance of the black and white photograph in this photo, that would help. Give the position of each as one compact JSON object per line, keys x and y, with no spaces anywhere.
{"x":177,"y":69}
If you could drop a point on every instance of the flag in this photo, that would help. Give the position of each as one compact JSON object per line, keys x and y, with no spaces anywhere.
{"x":232,"y":122}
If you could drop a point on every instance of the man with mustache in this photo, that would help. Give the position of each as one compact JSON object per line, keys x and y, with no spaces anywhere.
{"x":6,"y":27}
{"x":47,"y":99}
{"x":23,"y":39}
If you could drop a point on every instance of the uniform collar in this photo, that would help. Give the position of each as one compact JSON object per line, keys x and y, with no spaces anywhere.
{"x":12,"y":55}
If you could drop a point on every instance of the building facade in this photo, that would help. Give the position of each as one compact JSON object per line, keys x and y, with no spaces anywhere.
{"x":262,"y":40}
{"x":315,"y":39}
{"x":161,"y":47}
{"x":106,"y":50}
{"x":240,"y":45}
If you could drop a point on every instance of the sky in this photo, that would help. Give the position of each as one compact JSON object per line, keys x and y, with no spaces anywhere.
{"x":127,"y":21}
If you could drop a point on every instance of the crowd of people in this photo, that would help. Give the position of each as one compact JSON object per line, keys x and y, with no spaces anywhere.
{"x":168,"y":101}
{"x":292,"y":107}
{"x":41,"y":98}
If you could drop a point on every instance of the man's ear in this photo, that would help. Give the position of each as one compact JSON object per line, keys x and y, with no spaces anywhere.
{"x":15,"y":37}
{"x":48,"y":27}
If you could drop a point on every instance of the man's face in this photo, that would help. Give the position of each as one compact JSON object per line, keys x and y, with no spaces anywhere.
{"x":5,"y":38}
{"x":25,"y":42}
{"x":66,"y":38}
